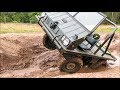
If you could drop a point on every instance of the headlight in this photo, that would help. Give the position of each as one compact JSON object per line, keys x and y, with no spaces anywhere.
{"x":63,"y":38}
{"x":65,"y":41}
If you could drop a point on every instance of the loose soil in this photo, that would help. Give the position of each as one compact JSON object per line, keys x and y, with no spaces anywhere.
{"x":24,"y":56}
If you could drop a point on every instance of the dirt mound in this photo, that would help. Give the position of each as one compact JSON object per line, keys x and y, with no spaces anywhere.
{"x":115,"y":45}
{"x":17,"y":52}
{"x":50,"y":59}
{"x":23,"y":55}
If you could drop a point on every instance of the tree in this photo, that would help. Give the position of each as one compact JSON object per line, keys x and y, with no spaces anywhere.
{"x":29,"y":17}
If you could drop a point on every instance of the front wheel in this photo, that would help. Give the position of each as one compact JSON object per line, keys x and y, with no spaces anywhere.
{"x":71,"y":66}
{"x":48,"y":43}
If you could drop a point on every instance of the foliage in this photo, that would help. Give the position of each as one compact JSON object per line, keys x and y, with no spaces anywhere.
{"x":29,"y":17}
{"x":20,"y":17}
{"x":114,"y":16}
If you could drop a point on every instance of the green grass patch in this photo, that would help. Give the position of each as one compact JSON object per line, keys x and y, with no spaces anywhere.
{"x":107,"y":29}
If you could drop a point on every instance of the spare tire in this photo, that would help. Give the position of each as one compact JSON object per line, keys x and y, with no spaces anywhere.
{"x":48,"y":43}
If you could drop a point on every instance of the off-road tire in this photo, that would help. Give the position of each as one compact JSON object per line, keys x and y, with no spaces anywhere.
{"x":48,"y":43}
{"x":76,"y":61}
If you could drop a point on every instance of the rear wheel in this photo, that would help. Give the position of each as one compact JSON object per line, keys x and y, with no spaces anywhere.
{"x":48,"y":43}
{"x":71,"y":66}
{"x":99,"y":64}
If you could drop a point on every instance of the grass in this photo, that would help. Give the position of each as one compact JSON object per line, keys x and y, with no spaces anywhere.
{"x":30,"y":28}
{"x":19,"y":28}
{"x":107,"y":29}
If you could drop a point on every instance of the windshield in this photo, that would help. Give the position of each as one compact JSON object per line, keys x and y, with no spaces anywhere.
{"x":89,"y":19}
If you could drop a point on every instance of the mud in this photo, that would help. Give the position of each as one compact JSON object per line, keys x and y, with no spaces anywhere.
{"x":23,"y":55}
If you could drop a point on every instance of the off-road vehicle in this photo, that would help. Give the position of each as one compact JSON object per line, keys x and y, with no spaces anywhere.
{"x":73,"y":34}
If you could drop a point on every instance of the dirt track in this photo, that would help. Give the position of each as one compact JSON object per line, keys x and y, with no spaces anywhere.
{"x":23,"y":55}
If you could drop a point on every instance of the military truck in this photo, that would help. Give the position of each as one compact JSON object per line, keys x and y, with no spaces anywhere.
{"x":73,"y":34}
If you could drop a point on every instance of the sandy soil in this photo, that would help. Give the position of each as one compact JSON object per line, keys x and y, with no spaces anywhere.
{"x":24,"y":56}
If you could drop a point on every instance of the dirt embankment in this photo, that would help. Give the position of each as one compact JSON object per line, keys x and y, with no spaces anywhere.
{"x":23,"y":55}
{"x":17,"y":52}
